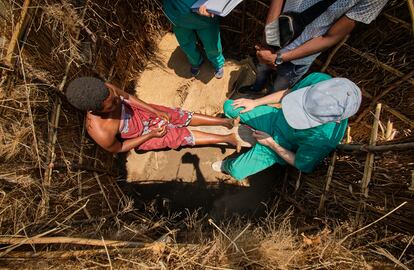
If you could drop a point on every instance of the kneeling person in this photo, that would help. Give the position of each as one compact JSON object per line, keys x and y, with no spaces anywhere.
{"x":119,"y":122}
{"x":309,"y":125}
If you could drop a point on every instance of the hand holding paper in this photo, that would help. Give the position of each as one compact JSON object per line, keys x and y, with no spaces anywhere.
{"x":218,"y":7}
{"x":203,"y":11}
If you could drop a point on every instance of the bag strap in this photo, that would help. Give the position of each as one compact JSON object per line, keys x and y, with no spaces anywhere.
{"x":313,"y":12}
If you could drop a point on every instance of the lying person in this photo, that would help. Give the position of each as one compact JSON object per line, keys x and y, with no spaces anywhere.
{"x":309,"y":125}
{"x":119,"y":122}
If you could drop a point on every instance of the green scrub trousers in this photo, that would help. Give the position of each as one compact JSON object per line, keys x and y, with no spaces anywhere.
{"x":187,"y":25}
{"x":310,"y":145}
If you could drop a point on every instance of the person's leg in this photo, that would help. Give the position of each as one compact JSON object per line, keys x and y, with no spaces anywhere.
{"x":205,"y":120}
{"x":210,"y":37}
{"x":287,"y":75}
{"x":260,"y":118}
{"x":262,"y":74}
{"x":259,"y":157}
{"x":255,"y":160}
{"x":188,"y":42}
{"x":180,"y":118}
{"x":203,"y":138}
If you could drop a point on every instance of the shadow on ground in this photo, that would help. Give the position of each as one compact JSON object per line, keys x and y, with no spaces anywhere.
{"x":179,"y":63}
{"x":221,"y":199}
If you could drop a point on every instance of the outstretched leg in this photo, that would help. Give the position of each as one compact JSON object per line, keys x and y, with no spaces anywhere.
{"x":205,"y":120}
{"x":203,"y":138}
{"x":255,"y":160}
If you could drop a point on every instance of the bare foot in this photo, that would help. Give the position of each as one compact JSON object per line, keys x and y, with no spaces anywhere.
{"x":234,"y":141}
{"x":231,"y":123}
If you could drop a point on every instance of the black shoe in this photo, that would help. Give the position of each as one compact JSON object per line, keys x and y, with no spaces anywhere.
{"x":248,"y":89}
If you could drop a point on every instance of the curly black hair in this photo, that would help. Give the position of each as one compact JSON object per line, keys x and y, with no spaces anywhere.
{"x":87,"y":93}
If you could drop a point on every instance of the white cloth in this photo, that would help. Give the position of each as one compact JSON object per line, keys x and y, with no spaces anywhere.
{"x":364,"y":11}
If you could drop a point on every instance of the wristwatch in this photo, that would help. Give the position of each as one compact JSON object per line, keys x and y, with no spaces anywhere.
{"x":279,"y":59}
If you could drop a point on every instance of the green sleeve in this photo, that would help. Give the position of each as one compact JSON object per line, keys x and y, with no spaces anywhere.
{"x":311,"y":79}
{"x":308,"y":156}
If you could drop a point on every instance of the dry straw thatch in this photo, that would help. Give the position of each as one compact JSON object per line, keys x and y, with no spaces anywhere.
{"x":58,"y":191}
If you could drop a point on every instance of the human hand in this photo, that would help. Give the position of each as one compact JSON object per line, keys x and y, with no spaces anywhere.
{"x":163,"y":115}
{"x":203,"y":11}
{"x":159,"y":132}
{"x":265,"y":55}
{"x":248,"y":104}
{"x":263,"y":138}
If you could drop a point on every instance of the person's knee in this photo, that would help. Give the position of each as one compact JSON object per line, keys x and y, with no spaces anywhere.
{"x":233,"y":171}
{"x":229,"y":111}
{"x":318,"y":76}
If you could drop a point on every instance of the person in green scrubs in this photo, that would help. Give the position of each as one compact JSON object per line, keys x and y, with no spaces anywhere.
{"x":187,"y":25}
{"x":310,"y":123}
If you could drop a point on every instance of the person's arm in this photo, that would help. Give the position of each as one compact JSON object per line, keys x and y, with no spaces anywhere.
{"x":250,"y":104}
{"x":267,"y":140}
{"x":335,"y":34}
{"x":139,"y":103}
{"x":111,"y":144}
{"x":274,"y":10}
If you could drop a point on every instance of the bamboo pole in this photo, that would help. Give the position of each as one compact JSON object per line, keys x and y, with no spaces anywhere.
{"x":80,"y":162}
{"x":348,"y":134}
{"x":51,"y":155}
{"x":328,"y":181}
{"x":52,"y":140}
{"x":370,"y":156}
{"x":66,"y":254}
{"x":19,"y":29}
{"x":69,"y":240}
{"x":376,"y":148}
{"x":410,"y":4}
{"x":369,"y":165}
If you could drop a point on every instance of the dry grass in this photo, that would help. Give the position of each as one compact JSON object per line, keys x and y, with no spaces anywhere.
{"x":272,"y":243}
{"x":66,"y":39}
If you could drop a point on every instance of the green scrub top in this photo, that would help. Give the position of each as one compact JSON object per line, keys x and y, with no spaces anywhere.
{"x":313,"y":144}
{"x":310,"y":145}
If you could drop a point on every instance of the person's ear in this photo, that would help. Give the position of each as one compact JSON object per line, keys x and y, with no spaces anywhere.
{"x":113,"y":87}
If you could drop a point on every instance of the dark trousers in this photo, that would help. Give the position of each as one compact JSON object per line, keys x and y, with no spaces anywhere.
{"x":285,"y":76}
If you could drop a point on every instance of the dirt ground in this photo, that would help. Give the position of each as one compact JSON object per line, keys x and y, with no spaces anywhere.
{"x":183,"y":178}
{"x":168,"y":82}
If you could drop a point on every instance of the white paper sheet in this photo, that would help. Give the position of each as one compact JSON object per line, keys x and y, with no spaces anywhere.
{"x":218,"y":7}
